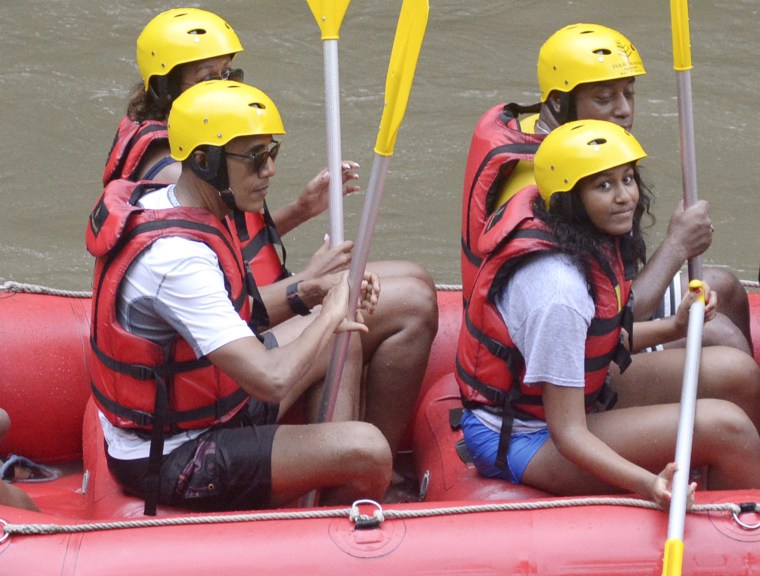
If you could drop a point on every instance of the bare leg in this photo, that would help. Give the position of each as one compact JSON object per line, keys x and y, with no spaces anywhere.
{"x":724,"y":373}
{"x":348,"y":403}
{"x":724,"y":439}
{"x":345,"y":460}
{"x":396,"y":349}
{"x":732,"y":325}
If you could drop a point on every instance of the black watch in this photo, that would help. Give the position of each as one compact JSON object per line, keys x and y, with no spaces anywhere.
{"x":294,"y":300}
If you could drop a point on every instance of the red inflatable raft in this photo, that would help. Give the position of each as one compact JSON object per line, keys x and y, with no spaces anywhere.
{"x":465,"y":524}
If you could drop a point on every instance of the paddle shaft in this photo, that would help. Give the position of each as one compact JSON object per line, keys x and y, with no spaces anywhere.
{"x":407,"y":44}
{"x":688,"y":156}
{"x":359,"y":259}
{"x":673,"y":560}
{"x":334,"y":152}
{"x":679,"y":16}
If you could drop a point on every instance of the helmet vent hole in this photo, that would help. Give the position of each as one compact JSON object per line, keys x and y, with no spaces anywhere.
{"x":197,"y":31}
{"x":603,"y":52}
{"x":598,"y":142}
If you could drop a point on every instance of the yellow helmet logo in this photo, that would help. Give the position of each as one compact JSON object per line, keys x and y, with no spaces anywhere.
{"x":582,"y":53}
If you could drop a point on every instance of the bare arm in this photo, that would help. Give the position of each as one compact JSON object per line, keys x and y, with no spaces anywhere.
{"x":653,"y":332}
{"x":566,"y":420}
{"x":688,"y":235}
{"x":316,"y":279}
{"x":313,"y":200}
{"x":270,"y":374}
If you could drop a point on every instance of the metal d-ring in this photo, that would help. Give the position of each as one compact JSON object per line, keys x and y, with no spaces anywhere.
{"x":5,"y":535}
{"x":747,"y":507}
{"x":362,"y":521}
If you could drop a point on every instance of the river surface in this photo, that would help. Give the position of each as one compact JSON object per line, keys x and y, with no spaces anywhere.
{"x":69,"y":64}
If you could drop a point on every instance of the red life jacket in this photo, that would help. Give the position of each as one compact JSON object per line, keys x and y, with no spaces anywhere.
{"x":257,"y":235}
{"x":496,"y":147}
{"x":136,"y":382}
{"x":489,"y":368}
{"x":130,"y":144}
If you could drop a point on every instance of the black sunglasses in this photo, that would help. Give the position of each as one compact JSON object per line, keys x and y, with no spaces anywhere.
{"x":260,"y":155}
{"x":235,"y":74}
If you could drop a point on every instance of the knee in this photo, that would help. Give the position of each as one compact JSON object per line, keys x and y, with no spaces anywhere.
{"x":420,"y":273}
{"x":731,"y":293}
{"x":721,"y":331}
{"x":368,"y":450}
{"x":739,"y":371}
{"x":413,"y":305}
{"x":722,"y":423}
{"x":427,"y":304}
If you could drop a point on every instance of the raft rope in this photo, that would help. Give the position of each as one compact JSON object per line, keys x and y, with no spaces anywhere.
{"x":355,"y":516}
{"x":19,"y":287}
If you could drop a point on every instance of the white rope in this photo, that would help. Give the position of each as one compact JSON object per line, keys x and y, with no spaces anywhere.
{"x":18,"y":287}
{"x":42,"y":529}
{"x":11,"y":286}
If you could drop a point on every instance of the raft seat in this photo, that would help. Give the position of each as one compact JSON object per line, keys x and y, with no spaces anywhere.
{"x":439,"y":465}
{"x":104,"y":497}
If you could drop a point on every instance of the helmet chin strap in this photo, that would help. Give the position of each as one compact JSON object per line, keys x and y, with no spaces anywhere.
{"x":566,"y":111}
{"x":228,"y":197}
{"x":214,"y":171}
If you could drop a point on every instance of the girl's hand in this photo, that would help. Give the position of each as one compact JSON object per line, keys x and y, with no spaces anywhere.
{"x":663,"y":484}
{"x":315,"y":197}
{"x":682,"y":314}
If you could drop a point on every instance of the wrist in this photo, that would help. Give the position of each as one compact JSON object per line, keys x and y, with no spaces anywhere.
{"x":293,"y":298}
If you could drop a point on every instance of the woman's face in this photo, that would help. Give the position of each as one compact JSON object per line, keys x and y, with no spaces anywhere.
{"x":610,"y":199}
{"x":193,"y":73}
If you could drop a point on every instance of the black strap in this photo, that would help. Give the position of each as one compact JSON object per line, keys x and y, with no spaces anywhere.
{"x":455,"y":418}
{"x":153,"y":477}
{"x":294,"y":300}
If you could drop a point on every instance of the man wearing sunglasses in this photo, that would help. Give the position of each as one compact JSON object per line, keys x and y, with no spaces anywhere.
{"x":190,"y":396}
{"x":182,"y":47}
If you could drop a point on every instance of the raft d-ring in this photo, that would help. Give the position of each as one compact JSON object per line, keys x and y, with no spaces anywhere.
{"x":746,"y":507}
{"x":364,"y":521}
{"x":5,"y":535}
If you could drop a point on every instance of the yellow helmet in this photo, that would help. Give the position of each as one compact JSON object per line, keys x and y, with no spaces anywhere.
{"x":579,"y":149}
{"x":213,"y":113}
{"x":180,"y":36}
{"x":582,"y":53}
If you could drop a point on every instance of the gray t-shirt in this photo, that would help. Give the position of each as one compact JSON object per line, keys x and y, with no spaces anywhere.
{"x":548,"y":309}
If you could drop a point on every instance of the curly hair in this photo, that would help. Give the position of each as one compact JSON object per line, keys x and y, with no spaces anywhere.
{"x":573,"y":231}
{"x":154,"y":103}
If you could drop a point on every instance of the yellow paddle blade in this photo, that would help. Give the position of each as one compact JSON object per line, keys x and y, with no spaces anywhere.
{"x":679,"y":17}
{"x":407,"y":44}
{"x":329,"y":16}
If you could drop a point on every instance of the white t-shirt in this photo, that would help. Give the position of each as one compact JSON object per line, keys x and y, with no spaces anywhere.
{"x":548,"y":310}
{"x":174,"y":286}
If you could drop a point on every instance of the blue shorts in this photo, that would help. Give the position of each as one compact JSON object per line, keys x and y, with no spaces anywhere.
{"x":483,"y":443}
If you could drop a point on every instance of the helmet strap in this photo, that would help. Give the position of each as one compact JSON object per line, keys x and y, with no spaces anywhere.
{"x":163,"y":90}
{"x":214,"y":171}
{"x":565,"y":112}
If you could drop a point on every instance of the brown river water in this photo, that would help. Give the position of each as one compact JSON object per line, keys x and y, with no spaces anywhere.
{"x":69,"y":64}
